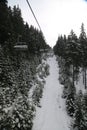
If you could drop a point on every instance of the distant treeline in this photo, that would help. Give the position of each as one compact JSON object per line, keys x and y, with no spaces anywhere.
{"x":13,"y":28}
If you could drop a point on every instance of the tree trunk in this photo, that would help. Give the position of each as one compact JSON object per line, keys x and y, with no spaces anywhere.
{"x":73,"y":76}
{"x":83,"y":75}
{"x":85,"y":78}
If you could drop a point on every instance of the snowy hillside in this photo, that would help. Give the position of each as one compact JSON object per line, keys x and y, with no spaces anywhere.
{"x":21,"y":87}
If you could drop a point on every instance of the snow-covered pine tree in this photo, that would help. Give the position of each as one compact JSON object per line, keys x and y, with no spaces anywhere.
{"x":83,"y":45}
{"x":78,"y":116}
{"x":70,"y":100}
{"x":72,"y":55}
{"x":84,"y":110}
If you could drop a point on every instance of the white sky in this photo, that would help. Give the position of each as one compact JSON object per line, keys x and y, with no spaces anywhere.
{"x":55,"y":17}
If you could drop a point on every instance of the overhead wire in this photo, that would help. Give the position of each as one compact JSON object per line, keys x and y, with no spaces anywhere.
{"x":34,"y":15}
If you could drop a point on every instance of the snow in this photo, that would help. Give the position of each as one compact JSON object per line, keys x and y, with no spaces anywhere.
{"x":52,"y":114}
{"x":38,"y":78}
{"x":21,"y":46}
{"x":7,"y":109}
{"x":79,"y":85}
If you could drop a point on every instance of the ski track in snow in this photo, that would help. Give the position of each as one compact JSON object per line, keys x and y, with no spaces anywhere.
{"x":52,"y":114}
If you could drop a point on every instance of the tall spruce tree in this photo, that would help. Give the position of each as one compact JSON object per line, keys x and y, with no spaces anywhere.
{"x":18,"y":23}
{"x":72,"y":53}
{"x":3,"y":21}
{"x":83,"y":44}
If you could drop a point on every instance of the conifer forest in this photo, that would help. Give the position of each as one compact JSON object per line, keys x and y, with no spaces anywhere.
{"x":40,"y":86}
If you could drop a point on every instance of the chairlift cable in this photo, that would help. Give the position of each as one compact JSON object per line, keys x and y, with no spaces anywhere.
{"x":34,"y":15}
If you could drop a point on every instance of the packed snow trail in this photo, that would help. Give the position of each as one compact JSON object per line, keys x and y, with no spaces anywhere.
{"x":52,"y":114}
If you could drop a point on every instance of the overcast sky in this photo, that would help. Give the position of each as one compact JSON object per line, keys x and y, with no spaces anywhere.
{"x":55,"y":17}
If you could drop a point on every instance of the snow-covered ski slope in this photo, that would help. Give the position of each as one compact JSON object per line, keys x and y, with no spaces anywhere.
{"x":52,"y":114}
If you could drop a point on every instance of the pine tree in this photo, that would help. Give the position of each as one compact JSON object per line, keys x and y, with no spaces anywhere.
{"x":18,"y":23}
{"x":70,"y":100}
{"x":3,"y":21}
{"x":59,"y":48}
{"x":84,"y":110}
{"x":83,"y":44}
{"x":78,"y":116}
{"x":72,"y":54}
